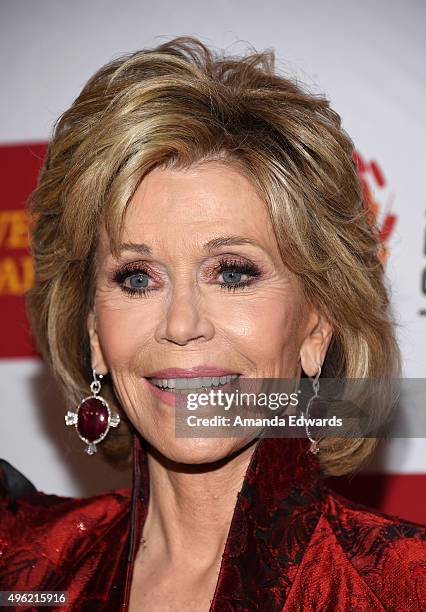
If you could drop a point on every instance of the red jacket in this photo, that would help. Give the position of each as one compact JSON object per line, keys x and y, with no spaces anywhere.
{"x":293,"y":545}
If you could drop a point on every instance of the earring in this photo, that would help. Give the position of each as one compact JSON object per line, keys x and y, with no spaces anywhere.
{"x":314,"y":448}
{"x":93,"y":417}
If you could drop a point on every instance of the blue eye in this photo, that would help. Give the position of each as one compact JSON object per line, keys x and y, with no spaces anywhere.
{"x":232,"y":277}
{"x":236,"y":274}
{"x":134,"y":281}
{"x":138,"y":281}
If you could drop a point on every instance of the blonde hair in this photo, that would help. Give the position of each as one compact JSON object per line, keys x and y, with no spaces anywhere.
{"x":178,"y":104}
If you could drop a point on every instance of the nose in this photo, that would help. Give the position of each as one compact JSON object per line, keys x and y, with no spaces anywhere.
{"x":186,"y":319}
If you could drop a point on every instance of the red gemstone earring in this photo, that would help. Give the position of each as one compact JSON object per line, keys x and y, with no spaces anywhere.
{"x":93,"y":417}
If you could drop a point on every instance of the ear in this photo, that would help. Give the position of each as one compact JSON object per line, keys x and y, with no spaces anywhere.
{"x":315,"y":344}
{"x":98,"y":361}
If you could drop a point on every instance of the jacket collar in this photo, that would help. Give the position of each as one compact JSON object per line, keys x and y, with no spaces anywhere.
{"x":275,"y":515}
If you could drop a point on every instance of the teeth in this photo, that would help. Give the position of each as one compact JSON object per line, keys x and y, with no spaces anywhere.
{"x":182,"y":385}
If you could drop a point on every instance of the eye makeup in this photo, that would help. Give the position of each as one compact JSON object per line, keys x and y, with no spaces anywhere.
{"x":232,"y":269}
{"x":236,"y":274}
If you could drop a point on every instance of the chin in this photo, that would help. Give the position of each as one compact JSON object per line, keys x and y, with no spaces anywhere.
{"x":196,"y":451}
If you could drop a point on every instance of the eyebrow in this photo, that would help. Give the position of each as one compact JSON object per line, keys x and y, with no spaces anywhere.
{"x":210,"y":246}
{"x":140,"y":247}
{"x":222,"y":241}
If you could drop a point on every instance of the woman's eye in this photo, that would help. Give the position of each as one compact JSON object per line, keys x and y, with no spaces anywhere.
{"x":137,"y":281}
{"x":236,"y":275}
{"x":232,"y":277}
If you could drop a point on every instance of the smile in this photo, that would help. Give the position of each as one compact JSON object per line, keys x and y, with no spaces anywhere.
{"x":191,"y":384}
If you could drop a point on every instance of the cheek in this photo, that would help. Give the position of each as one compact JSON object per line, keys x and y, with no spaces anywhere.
{"x":267,"y":323}
{"x":262,"y":326}
{"x":125,"y":332}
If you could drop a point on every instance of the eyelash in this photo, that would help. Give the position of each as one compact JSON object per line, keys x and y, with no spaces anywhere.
{"x":224,"y":265}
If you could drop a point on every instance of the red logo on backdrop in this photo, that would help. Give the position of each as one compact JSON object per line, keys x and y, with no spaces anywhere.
{"x":373,"y":181}
{"x":19,"y":168}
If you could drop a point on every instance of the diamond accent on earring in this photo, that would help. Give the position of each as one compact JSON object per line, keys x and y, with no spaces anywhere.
{"x":314,"y":447}
{"x":115,"y":420}
{"x":70,"y":418}
{"x":91,"y":449}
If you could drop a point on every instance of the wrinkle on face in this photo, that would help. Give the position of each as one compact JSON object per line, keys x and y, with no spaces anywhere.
{"x":188,"y":320}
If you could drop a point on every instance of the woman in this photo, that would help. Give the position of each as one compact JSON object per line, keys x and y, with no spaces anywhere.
{"x":199,"y":221}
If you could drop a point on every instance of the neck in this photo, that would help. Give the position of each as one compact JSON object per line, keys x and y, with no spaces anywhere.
{"x":191,"y":507}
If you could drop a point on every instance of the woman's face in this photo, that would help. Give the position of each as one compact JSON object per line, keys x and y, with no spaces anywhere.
{"x":199,"y":290}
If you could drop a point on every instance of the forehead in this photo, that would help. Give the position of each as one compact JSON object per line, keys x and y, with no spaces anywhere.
{"x":195,"y":204}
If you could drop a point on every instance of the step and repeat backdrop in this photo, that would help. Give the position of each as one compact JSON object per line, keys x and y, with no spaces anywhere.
{"x":369,"y":58}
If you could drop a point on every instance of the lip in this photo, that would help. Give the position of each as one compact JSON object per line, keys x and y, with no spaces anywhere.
{"x":164,"y":396}
{"x":174,"y":399}
{"x":169,"y":397}
{"x":195,"y":372}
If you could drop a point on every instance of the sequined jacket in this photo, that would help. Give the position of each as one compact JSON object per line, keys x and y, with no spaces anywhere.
{"x":293,"y":545}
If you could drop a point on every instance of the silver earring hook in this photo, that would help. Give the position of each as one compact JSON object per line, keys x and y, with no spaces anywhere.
{"x":95,"y":385}
{"x":315,"y":386}
{"x":315,"y":380}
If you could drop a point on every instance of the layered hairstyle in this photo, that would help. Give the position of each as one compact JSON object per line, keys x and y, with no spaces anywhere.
{"x":182,"y":103}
